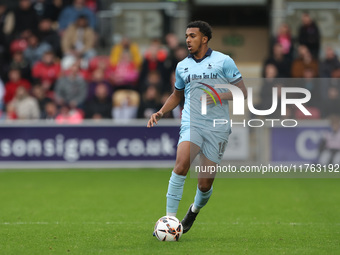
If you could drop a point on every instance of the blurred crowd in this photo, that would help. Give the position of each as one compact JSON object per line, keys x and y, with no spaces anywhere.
{"x":300,"y":58}
{"x":49,"y":67}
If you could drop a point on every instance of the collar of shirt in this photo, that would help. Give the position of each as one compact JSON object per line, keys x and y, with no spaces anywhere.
{"x":207,"y":54}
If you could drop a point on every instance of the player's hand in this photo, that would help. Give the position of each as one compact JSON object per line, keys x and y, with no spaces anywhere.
{"x":210,"y":100}
{"x":154,"y":119}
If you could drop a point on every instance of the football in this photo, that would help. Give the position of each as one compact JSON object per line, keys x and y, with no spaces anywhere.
{"x":168,"y":228}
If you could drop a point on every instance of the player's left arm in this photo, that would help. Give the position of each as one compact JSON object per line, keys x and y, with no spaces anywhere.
{"x":229,"y":95}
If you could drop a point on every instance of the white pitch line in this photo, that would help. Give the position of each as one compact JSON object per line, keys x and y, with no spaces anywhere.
{"x":136,"y":223}
{"x":70,"y":223}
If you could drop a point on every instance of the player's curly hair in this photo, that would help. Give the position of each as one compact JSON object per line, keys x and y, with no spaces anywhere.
{"x":203,"y":26}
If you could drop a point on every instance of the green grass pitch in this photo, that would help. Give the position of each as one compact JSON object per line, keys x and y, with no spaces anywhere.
{"x":114,"y":212}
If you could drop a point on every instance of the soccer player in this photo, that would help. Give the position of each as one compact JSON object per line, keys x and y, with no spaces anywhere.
{"x":197,"y":134}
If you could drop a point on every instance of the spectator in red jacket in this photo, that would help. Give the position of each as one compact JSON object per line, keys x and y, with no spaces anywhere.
{"x":155,"y":60}
{"x":46,"y":71}
{"x":124,"y":75}
{"x":15,"y":81}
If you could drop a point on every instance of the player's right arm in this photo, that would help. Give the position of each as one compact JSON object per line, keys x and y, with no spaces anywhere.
{"x":173,"y":100}
{"x":170,"y":104}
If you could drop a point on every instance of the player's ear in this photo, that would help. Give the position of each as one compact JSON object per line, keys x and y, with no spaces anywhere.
{"x":205,"y":39}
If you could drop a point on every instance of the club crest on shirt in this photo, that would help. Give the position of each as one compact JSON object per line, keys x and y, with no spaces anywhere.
{"x":209,"y":66}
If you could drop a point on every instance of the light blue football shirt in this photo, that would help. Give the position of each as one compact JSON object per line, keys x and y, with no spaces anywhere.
{"x":214,"y":68}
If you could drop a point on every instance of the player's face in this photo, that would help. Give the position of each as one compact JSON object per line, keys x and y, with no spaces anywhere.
{"x":194,"y":39}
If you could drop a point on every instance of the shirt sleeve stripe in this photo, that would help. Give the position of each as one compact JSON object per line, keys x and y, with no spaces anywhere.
{"x":179,"y":89}
{"x":236,"y":81}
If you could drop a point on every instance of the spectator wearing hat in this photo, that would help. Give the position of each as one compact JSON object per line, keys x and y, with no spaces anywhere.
{"x":21,"y":42}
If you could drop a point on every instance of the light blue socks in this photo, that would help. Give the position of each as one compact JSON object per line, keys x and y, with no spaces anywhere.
{"x":174,"y":195}
{"x":201,"y":199}
{"x":175,"y":192}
